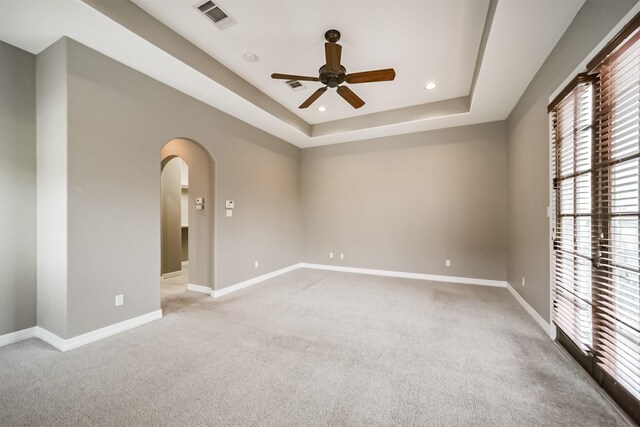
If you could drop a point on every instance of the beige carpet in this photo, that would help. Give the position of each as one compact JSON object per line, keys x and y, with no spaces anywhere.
{"x":311,"y":348}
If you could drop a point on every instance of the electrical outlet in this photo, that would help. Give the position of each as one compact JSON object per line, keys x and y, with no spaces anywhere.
{"x":523,"y":282}
{"x":341,"y":256}
{"x":330,"y":254}
{"x":447,"y":263}
{"x":119,"y":300}
{"x":256,"y":264}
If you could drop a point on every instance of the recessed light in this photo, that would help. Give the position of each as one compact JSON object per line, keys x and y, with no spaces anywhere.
{"x":250,"y":57}
{"x":430,"y":86}
{"x":322,"y":108}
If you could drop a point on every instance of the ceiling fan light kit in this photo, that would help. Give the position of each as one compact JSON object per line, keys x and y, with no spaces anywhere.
{"x":333,"y":74}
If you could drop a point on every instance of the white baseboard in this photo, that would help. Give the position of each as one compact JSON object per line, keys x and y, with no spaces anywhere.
{"x":17,"y":336}
{"x":75,"y":342}
{"x":51,"y":338}
{"x":185,"y":264}
{"x":546,"y":327}
{"x":405,"y":275}
{"x":172,"y":274}
{"x":419,"y":276}
{"x":247,"y":283}
{"x":198,"y":288}
{"x":553,"y":331}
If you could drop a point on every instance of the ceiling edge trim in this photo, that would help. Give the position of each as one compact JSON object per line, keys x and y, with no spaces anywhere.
{"x":447,"y":107}
{"x":138,"y":21}
{"x":491,"y":13}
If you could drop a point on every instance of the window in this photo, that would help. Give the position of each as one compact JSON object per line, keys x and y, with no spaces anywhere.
{"x":572,"y":124}
{"x":595,"y":124}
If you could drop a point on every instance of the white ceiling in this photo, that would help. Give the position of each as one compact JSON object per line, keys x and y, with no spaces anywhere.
{"x":422,"y":40}
{"x":521,"y":35}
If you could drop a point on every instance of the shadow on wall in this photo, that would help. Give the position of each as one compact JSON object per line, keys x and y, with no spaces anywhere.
{"x":201,"y":221}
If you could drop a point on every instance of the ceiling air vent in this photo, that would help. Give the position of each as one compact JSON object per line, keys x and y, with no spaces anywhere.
{"x":215,"y":14}
{"x":295,"y":85}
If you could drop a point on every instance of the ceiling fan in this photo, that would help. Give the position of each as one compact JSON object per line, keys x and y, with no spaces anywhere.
{"x":333,"y":74}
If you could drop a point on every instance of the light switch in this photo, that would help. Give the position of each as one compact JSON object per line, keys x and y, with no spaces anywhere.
{"x":229,"y":212}
{"x":199,"y":203}
{"x":230,"y":204}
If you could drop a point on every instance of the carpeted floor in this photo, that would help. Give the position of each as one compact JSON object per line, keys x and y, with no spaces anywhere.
{"x":311,"y":348}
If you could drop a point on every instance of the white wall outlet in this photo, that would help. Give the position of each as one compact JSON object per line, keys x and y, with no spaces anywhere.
{"x":330,"y":254}
{"x":523,"y":282}
{"x":447,"y":263}
{"x":341,"y":256}
{"x":230,"y":204}
{"x":229,"y":212}
{"x":119,"y":300}
{"x":256,"y":264}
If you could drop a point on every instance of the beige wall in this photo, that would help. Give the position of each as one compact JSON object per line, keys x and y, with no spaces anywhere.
{"x":17,"y":189}
{"x":171,"y":215}
{"x":528,"y":136}
{"x":184,"y":253}
{"x":407,"y":203}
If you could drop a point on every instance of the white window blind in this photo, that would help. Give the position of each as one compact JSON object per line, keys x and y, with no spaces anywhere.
{"x":617,"y":276}
{"x":572,"y":124}
{"x":596,"y":181}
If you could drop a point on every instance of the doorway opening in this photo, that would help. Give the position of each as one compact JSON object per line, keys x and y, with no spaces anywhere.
{"x":174,"y":185}
{"x":187,"y":176}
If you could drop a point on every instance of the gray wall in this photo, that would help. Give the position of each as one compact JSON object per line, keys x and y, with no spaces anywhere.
{"x":402,"y":203}
{"x":118,"y":121}
{"x":407,"y":203}
{"x":52,"y":115}
{"x":17,"y":189}
{"x":528,"y":152}
{"x":171,"y":215}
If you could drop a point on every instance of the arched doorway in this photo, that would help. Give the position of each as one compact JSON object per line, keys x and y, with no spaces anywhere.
{"x":187,"y":216}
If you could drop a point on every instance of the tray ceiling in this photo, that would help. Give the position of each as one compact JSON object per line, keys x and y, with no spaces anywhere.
{"x":482,"y":54}
{"x":423,"y":40}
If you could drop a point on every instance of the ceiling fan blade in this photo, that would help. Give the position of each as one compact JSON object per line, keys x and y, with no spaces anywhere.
{"x":371,"y":76}
{"x":350,"y":97}
{"x":333,"y":52}
{"x":292,"y":77}
{"x":315,"y":95}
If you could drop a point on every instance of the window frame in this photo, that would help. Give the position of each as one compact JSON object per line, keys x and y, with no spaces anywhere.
{"x":586,"y":358}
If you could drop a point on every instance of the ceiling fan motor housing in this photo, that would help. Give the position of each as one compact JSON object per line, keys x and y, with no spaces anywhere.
{"x":332,"y":36}
{"x":332,"y":78}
